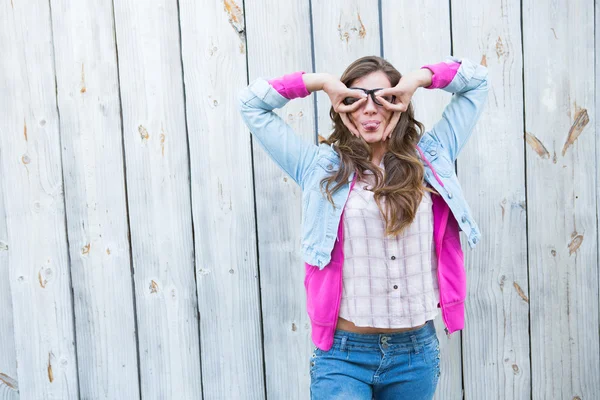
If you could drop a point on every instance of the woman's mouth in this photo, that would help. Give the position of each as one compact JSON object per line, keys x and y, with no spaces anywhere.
{"x":371,"y":126}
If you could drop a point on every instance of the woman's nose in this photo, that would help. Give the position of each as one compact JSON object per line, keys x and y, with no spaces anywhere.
{"x":370,"y":104}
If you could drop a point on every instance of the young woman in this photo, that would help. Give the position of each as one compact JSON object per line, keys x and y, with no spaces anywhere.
{"x":382,"y":211}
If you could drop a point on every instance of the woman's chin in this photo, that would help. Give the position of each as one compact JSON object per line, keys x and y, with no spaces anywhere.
{"x":372,"y":136}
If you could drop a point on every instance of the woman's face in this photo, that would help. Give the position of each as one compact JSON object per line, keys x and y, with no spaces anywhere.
{"x":371,"y":119}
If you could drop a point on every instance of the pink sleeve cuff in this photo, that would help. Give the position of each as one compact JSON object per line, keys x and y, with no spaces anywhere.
{"x":443,"y":73}
{"x":290,"y":86}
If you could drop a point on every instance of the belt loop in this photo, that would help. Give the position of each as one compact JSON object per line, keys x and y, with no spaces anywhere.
{"x":415,"y":345}
{"x":343,"y":344}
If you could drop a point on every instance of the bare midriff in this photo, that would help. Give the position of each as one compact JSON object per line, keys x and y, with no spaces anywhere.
{"x":349,"y":326}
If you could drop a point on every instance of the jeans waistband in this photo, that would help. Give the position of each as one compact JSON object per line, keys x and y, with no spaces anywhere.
{"x":423,"y":334}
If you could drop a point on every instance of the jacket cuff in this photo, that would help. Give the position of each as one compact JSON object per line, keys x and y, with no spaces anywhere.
{"x":443,"y":73}
{"x":290,"y":86}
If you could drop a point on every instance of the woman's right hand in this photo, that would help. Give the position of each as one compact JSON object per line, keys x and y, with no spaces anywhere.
{"x":337,"y":92}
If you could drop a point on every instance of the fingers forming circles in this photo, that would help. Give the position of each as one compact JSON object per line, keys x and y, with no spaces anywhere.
{"x":391,"y":106}
{"x":342,"y":108}
{"x":391,"y":125}
{"x":349,"y":124}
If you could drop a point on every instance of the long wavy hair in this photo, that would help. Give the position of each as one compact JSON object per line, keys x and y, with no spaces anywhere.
{"x":399,"y":192}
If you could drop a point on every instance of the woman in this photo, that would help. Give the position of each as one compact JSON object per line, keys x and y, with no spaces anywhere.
{"x":382,"y":211}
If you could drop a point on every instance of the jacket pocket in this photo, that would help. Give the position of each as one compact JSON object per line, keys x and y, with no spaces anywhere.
{"x":440,"y":161}
{"x":327,"y":164}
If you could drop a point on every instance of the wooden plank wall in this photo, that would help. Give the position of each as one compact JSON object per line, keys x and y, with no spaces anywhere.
{"x":37,"y":262}
{"x":97,"y":230}
{"x":285,"y":32}
{"x":149,"y":247}
{"x":158,"y":176}
{"x":214,"y":67}
{"x":558,"y":48}
{"x":491,"y":170}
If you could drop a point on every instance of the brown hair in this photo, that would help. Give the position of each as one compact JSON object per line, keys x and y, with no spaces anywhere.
{"x":402,"y":186}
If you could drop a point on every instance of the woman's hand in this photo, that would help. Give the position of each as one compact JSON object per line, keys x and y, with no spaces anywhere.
{"x":337,"y":92}
{"x":403,"y":91}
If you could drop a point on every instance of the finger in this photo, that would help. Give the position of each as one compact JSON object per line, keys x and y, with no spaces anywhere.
{"x":392,"y":125}
{"x":391,"y":106}
{"x":351,"y":127}
{"x":355,"y":93}
{"x":343,"y":108}
{"x":347,"y":123}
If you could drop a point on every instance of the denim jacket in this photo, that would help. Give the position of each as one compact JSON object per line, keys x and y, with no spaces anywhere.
{"x":307,"y":163}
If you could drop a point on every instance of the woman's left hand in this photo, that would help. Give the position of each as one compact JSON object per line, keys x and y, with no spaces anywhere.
{"x":403,"y":91}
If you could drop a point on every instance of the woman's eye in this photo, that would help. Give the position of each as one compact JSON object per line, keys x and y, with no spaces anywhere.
{"x":350,"y":100}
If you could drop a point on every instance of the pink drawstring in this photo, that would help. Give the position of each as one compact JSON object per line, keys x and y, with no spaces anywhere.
{"x":428,"y":163}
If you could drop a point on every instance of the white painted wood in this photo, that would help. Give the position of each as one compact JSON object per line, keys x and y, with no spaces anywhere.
{"x":492,"y":172}
{"x":91,"y":144}
{"x":279,"y":43}
{"x":558,"y":40}
{"x":597,"y":127}
{"x":32,"y":190}
{"x":158,"y":192}
{"x":214,"y":65}
{"x":416,"y":34}
{"x":51,"y":54}
{"x":9,"y":385}
{"x":343,"y":31}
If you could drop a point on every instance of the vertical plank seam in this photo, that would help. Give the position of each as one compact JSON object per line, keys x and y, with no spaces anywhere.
{"x":135,"y":319}
{"x":379,"y":7}
{"x":462,"y":358}
{"x":311,"y":34}
{"x":191,"y":202}
{"x":526,"y":201}
{"x":65,"y":207}
{"x":452,"y":53}
{"x":260,"y":308}
{"x":597,"y":114}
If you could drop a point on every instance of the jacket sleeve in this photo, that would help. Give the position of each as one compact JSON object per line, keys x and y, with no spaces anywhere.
{"x":470,"y":90}
{"x":292,"y":153}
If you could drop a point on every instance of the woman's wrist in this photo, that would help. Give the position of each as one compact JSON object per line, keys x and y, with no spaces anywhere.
{"x":423,"y":77}
{"x":315,"y":81}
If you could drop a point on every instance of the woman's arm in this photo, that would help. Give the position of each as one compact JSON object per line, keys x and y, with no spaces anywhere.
{"x":469,"y":84}
{"x":299,"y":84}
{"x":440,"y":74}
{"x":256,"y":103}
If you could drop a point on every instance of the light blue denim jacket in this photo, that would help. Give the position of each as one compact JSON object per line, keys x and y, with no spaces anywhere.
{"x":307,"y":163}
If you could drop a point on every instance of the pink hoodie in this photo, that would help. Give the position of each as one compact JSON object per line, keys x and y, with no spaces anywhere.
{"x":324,"y":287}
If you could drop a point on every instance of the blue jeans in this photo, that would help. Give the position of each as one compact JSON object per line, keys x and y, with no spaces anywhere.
{"x":403,"y":365}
